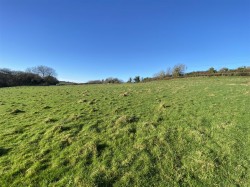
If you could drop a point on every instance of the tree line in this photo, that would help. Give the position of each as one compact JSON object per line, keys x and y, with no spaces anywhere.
{"x":40,"y":75}
{"x":240,"y":71}
{"x":112,"y":80}
{"x":178,"y":71}
{"x":43,"y":75}
{"x":109,"y":80}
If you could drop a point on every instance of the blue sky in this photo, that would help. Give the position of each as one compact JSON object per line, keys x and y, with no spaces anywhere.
{"x":94,"y":39}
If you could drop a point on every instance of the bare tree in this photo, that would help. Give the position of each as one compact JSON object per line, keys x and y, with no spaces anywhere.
{"x":5,"y":71}
{"x":223,"y":70}
{"x":169,"y":72}
{"x":178,"y":70}
{"x":160,"y":75}
{"x":43,"y":71}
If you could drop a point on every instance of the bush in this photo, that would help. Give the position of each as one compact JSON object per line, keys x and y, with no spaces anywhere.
{"x":50,"y":80}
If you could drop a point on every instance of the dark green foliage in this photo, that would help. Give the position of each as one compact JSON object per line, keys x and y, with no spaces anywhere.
{"x":109,"y":80}
{"x":129,"y":80}
{"x":113,"y":80}
{"x":137,"y":79}
{"x":10,"y":78}
{"x":49,"y":80}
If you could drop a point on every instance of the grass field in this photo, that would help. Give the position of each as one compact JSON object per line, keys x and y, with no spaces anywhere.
{"x":181,"y":132}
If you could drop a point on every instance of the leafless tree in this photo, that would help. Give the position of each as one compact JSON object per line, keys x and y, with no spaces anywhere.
{"x":223,"y":70}
{"x":169,"y":72}
{"x":43,"y":71}
{"x":178,"y":70}
{"x":160,"y":75}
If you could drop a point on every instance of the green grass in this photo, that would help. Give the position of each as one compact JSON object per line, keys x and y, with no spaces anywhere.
{"x":181,"y":132}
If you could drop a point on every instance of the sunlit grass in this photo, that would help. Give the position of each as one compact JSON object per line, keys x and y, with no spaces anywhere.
{"x":182,"y":132}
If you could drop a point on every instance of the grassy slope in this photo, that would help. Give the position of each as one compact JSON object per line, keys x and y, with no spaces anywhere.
{"x":169,"y":133}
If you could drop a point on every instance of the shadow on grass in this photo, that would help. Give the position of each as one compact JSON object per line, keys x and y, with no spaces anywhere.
{"x":4,"y":151}
{"x":100,"y":147}
{"x":17,"y":111}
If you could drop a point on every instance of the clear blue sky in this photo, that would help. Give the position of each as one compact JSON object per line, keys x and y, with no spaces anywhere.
{"x":95,"y":39}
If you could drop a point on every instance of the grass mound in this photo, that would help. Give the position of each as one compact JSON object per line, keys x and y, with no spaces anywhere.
{"x":123,"y":120}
